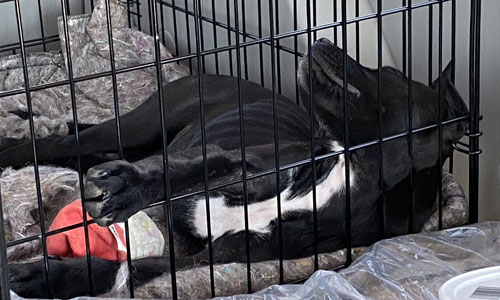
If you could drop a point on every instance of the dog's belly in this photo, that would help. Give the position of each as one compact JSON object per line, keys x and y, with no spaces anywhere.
{"x":226,"y":217}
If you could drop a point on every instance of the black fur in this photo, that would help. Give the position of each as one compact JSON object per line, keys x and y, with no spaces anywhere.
{"x":117,"y":189}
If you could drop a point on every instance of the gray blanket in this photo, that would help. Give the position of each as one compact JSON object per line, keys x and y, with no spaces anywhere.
{"x":89,"y":44}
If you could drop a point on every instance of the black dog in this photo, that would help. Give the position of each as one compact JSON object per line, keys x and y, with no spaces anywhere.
{"x":116,"y":190}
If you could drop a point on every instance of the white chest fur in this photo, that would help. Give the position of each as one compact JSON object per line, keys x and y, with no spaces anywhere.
{"x":231,"y":218}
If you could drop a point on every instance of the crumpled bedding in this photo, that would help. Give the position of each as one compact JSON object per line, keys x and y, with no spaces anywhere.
{"x":410,"y":267}
{"x":60,"y":187}
{"x":88,"y":36}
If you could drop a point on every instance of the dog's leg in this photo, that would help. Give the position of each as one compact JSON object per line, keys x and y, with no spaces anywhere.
{"x":137,"y":131}
{"x":67,"y":277}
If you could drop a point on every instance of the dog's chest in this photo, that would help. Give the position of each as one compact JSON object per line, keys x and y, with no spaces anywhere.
{"x":225,"y":217}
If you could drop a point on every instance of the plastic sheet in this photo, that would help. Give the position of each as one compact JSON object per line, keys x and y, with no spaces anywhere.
{"x":409,"y":267}
{"x":89,"y":44}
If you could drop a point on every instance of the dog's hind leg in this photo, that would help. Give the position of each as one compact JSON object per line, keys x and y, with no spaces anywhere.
{"x":67,"y":277}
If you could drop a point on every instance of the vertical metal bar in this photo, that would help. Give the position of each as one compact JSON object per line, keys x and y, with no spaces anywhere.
{"x":150,"y":18}
{"x":315,"y":18}
{"x":228,"y":12}
{"x":176,"y":34}
{"x":33,"y":142}
{"x":312,"y":133}
{"x":430,"y":44}
{"x":202,"y":39}
{"x":4,"y":272}
{"x":168,"y":200}
{"x":214,"y":30}
{"x":440,"y":125}
{"x":380,"y":118}
{"x":244,"y":21}
{"x":295,"y":49}
{"x":40,"y":22}
{"x":129,"y":20}
{"x":347,"y":155}
{"x":162,"y":17}
{"x":69,"y":62}
{"x":196,"y":8}
{"x":356,"y":8}
{"x":474,"y":83}
{"x":243,"y":152}
{"x":410,"y":115}
{"x":261,"y":54}
{"x":188,"y":36}
{"x":138,"y":7}
{"x":453,"y":38}
{"x":109,"y":27}
{"x":453,"y":61}
{"x":278,"y":54}
{"x":276,"y":140}
{"x":403,"y":46}
{"x":335,"y":15}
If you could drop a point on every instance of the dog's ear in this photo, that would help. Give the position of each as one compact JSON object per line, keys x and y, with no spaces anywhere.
{"x":445,"y":76}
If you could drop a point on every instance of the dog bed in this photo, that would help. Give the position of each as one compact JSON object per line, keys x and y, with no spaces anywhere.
{"x":88,"y":38}
{"x":60,"y":187}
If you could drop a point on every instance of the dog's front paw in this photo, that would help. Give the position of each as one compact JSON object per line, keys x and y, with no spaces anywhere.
{"x":114,"y":191}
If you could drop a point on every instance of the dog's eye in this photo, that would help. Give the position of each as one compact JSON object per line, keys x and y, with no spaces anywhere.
{"x":103,"y":175}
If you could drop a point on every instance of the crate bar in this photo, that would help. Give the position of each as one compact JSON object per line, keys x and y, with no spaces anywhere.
{"x":410,"y":114}
{"x":33,"y":142}
{"x":453,"y":60}
{"x":356,"y":13}
{"x":137,"y":5}
{"x":167,"y":202}
{"x":243,"y":152}
{"x":229,"y":29}
{"x":278,"y":45}
{"x":430,"y":44}
{"x":440,"y":127}
{"x":453,"y":38}
{"x":244,"y":21}
{"x":30,"y":43}
{"x":129,"y":13}
{"x":176,"y":33}
{"x":315,"y":18}
{"x":295,"y":49}
{"x":261,"y":54}
{"x":276,"y":142}
{"x":312,"y":133}
{"x":197,"y":11}
{"x":403,"y":46}
{"x":4,"y":272}
{"x":380,"y":118}
{"x":474,"y":85}
{"x":40,"y":23}
{"x":162,"y":20}
{"x":214,"y":31}
{"x":118,"y":127}
{"x":335,"y":16}
{"x":202,"y":39}
{"x":188,"y":34}
{"x":347,"y":156}
{"x":69,"y":62}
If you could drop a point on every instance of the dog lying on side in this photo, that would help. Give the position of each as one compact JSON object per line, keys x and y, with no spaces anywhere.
{"x":116,"y":189}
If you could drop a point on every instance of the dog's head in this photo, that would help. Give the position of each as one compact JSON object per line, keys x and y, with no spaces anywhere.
{"x":327,"y":80}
